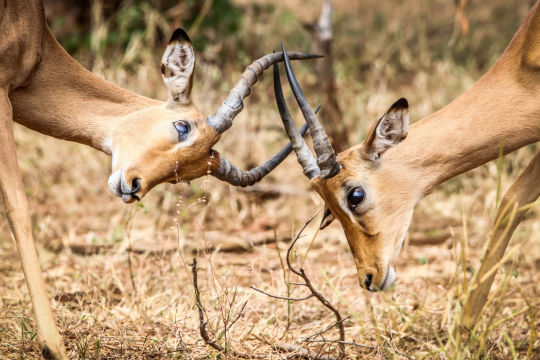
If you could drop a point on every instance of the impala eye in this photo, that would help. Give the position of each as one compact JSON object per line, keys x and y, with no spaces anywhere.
{"x":182,"y":127}
{"x":356,"y":196}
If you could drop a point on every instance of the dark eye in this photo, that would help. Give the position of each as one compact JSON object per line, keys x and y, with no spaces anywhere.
{"x":182,"y":127}
{"x":355,"y":196}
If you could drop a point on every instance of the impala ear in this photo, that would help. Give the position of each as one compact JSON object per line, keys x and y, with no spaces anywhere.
{"x":327,"y":219}
{"x":177,"y":67}
{"x":389,"y":131}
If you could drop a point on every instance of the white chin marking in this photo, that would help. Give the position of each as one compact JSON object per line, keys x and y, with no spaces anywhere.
{"x":115,"y":182}
{"x":390,"y":278}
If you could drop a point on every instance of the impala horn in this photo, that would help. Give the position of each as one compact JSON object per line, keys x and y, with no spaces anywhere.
{"x":303,"y":154}
{"x":234,"y":176}
{"x":326,"y":157}
{"x":222,"y":120}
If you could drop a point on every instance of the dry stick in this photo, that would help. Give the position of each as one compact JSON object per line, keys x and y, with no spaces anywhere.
{"x":288,"y":348}
{"x":202,"y":322}
{"x":238,"y":316}
{"x":314,"y":293}
{"x":317,"y":294}
{"x":311,"y":337}
{"x":282,"y":297}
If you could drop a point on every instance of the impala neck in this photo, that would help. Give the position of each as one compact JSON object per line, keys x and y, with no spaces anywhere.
{"x":501,"y":109}
{"x":64,"y":100}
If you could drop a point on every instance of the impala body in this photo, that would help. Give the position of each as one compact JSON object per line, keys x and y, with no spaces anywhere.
{"x":150,"y":141}
{"x":372,"y":188}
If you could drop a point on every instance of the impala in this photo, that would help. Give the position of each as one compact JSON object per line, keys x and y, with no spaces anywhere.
{"x":372,"y":188}
{"x":151,"y":142}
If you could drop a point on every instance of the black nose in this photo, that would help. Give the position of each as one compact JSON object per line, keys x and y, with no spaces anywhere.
{"x":368,"y":280}
{"x":135,"y":185}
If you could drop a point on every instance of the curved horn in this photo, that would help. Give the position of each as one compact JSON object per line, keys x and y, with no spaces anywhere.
{"x":222,"y":119}
{"x":234,"y":176}
{"x":326,"y":158}
{"x":303,"y":154}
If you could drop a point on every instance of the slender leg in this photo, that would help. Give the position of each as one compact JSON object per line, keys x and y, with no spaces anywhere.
{"x":17,"y":209}
{"x":525,"y":190}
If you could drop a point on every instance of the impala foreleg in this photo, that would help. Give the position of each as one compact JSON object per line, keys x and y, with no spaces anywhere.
{"x":525,"y":190}
{"x":17,"y":210}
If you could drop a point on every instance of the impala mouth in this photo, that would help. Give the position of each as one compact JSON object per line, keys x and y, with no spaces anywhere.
{"x":388,"y":280}
{"x":120,"y":187}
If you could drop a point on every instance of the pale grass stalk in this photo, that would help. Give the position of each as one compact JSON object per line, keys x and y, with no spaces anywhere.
{"x":509,"y":317}
{"x":442,"y":346}
{"x":128,"y":225}
{"x":505,"y":258}
{"x":200,"y":17}
{"x":375,"y":324}
{"x":485,"y":335}
{"x":499,"y":172}
{"x":464,"y":256}
{"x":454,"y":333}
{"x":510,"y":345}
{"x":532,"y":318}
{"x":331,"y":284}
{"x":304,"y":258}
{"x":286,"y":282}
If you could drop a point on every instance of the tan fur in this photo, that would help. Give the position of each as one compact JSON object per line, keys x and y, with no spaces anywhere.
{"x":44,"y":89}
{"x":502,"y":106}
{"x":64,"y":100}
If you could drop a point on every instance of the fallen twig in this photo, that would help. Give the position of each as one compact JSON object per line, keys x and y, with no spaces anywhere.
{"x":202,"y":323}
{"x":314,"y":293}
{"x":292,"y":350}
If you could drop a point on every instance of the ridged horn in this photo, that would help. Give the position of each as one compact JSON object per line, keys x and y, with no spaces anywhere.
{"x":234,"y":176}
{"x":303,"y":154}
{"x":222,"y":119}
{"x":326,"y":157}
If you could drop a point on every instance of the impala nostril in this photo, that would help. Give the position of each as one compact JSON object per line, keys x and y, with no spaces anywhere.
{"x":135,"y":185}
{"x":368,"y":280}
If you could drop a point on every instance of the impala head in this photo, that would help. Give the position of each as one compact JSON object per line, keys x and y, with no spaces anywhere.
{"x":359,"y":189}
{"x":173,"y":142}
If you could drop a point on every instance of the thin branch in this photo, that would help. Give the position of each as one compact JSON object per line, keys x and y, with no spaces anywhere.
{"x":202,"y":322}
{"x":314,"y":293}
{"x":294,"y":350}
{"x":341,"y":342}
{"x":300,"y":352}
{"x":325,"y":330}
{"x":238,"y":316}
{"x":281,"y":297}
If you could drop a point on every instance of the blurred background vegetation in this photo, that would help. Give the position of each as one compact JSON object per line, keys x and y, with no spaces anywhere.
{"x":376,"y":43}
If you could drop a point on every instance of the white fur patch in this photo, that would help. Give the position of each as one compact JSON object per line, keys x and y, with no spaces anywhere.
{"x":392,"y":129}
{"x":179,"y":62}
{"x":106,"y":146}
{"x":390,"y":278}
{"x":115,"y":182}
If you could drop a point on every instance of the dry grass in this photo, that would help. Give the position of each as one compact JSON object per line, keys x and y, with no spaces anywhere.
{"x":123,"y":290}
